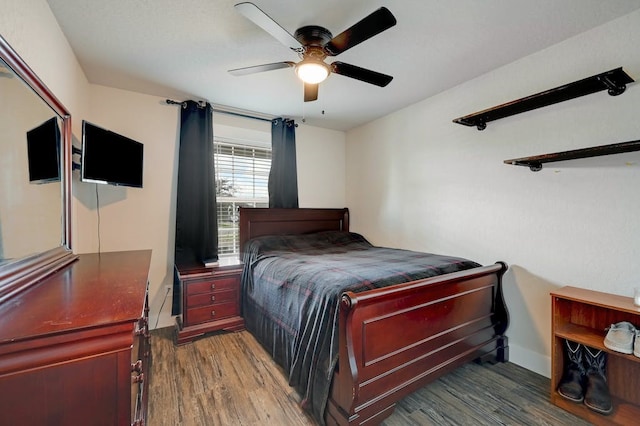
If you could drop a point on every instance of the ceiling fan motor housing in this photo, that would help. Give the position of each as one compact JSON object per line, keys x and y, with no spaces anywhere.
{"x":313,"y":38}
{"x":313,"y":35}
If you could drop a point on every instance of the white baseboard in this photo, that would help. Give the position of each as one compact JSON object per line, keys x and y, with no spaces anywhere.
{"x":530,"y":360}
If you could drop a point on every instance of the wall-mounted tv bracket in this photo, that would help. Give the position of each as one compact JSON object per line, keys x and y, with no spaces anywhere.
{"x":614,"y":81}
{"x":75,"y":151}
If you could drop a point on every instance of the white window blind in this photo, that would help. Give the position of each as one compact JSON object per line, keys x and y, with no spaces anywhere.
{"x":242,"y":175}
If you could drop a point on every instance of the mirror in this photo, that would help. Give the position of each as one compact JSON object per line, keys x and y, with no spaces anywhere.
{"x":35,"y":171}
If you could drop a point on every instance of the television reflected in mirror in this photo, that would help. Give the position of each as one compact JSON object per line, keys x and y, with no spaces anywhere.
{"x":43,"y":152}
{"x":35,"y":188}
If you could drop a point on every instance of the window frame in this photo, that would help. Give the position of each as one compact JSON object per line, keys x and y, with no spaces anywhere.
{"x":228,"y":225}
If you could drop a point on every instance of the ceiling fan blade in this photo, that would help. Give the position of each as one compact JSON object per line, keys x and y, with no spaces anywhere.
{"x":261,"y":19}
{"x":361,"y":74}
{"x":310,"y":92}
{"x":261,"y":68}
{"x":380,"y":20}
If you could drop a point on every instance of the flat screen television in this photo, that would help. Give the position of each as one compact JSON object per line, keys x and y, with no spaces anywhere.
{"x":110,"y":158}
{"x":43,"y":152}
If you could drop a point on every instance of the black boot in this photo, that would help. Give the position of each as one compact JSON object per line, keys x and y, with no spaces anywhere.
{"x":572,"y":384}
{"x":597,"y":396}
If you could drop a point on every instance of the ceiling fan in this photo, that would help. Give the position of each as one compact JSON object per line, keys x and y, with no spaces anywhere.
{"x":314,"y":43}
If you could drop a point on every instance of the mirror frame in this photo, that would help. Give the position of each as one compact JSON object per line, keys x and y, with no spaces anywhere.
{"x":19,"y":274}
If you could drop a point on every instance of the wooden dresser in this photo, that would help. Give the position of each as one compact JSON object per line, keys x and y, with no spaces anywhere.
{"x":210,"y":299}
{"x":75,"y":348}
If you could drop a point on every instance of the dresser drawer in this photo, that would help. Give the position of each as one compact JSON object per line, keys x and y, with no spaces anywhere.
{"x":212,"y":313}
{"x":216,"y":297}
{"x":211,"y":285}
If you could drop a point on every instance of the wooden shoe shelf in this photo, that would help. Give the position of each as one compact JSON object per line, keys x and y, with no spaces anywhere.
{"x":582,"y":315}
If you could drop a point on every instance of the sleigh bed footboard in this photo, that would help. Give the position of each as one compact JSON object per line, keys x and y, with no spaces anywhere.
{"x":396,"y":339}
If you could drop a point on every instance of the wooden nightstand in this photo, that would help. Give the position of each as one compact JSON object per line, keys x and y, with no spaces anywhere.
{"x":210,"y":300}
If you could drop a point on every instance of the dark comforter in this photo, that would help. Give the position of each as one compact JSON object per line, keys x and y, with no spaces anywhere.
{"x":292,"y":286}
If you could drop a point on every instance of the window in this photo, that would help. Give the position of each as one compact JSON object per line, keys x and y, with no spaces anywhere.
{"x":242,"y":175}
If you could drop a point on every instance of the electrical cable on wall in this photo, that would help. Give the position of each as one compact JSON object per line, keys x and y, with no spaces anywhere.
{"x":98,"y":212}
{"x":162,"y":306}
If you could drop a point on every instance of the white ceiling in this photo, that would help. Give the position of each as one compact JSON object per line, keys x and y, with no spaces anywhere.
{"x":183,"y":49}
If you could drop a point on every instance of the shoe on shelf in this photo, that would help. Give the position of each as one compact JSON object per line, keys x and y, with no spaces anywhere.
{"x":596,"y":395}
{"x":571,"y":386}
{"x":620,"y":337}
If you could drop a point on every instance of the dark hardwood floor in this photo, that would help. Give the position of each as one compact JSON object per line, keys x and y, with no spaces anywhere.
{"x":228,"y":379}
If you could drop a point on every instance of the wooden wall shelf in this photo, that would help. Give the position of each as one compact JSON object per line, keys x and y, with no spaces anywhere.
{"x":535,"y":162}
{"x":613,"y":81}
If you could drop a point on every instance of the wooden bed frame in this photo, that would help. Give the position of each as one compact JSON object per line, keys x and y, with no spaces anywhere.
{"x":396,"y":339}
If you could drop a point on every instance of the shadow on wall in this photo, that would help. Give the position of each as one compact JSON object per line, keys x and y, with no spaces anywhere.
{"x":529,"y":303}
{"x":162,"y":301}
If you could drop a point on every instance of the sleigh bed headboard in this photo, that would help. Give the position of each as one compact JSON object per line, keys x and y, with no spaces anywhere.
{"x":256,"y":222}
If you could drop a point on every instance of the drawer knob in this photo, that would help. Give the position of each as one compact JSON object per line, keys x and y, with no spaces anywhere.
{"x":137,"y":367}
{"x":213,"y":298}
{"x":213,"y":286}
{"x":213,"y":314}
{"x":137,"y":379}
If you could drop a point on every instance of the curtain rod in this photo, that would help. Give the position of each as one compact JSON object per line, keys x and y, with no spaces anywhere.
{"x":222,"y":111}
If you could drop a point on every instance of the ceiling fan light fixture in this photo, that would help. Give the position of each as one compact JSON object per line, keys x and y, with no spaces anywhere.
{"x":312,"y":72}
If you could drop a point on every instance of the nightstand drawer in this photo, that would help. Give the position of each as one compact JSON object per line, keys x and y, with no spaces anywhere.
{"x":216,"y":297}
{"x":213,"y":285}
{"x":212,"y":313}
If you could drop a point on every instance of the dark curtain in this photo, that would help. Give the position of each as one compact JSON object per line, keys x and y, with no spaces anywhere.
{"x":196,"y":218}
{"x":283,"y":177}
